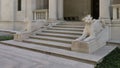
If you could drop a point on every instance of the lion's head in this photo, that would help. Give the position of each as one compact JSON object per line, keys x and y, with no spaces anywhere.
{"x":88,"y":19}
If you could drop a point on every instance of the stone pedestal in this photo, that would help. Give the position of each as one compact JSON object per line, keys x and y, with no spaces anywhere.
{"x":21,"y":36}
{"x":91,"y":46}
{"x":87,"y":47}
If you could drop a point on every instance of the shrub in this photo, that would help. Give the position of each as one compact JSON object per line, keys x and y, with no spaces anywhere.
{"x":111,"y":61}
{"x":2,"y":38}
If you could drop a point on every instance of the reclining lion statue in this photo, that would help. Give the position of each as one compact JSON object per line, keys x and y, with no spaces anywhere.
{"x":94,"y":36}
{"x":92,"y":28}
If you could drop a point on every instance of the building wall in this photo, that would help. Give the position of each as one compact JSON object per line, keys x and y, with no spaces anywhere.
{"x":9,"y":13}
{"x":6,"y":14}
{"x":7,"y":10}
{"x":27,"y":8}
{"x":115,"y":26}
{"x":77,"y":8}
{"x":11,"y":18}
{"x":115,"y":31}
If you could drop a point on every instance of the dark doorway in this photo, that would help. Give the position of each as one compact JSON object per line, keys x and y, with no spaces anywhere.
{"x":95,"y":9}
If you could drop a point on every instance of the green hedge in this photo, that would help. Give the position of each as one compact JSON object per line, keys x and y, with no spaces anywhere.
{"x":2,"y":38}
{"x":111,"y":61}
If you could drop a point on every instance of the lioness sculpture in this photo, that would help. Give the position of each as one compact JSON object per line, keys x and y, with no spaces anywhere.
{"x":92,"y":28}
{"x":93,"y":37}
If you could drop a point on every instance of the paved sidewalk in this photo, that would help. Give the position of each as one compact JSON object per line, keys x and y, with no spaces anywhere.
{"x":11,"y":57}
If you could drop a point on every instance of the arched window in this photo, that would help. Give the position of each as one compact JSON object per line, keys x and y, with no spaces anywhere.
{"x":19,"y":5}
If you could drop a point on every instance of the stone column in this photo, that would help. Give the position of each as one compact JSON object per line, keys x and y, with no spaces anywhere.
{"x":28,"y":9}
{"x":105,"y":9}
{"x":60,"y":9}
{"x":0,"y":9}
{"x":52,"y":9}
{"x":114,"y":13}
{"x":105,"y":15}
{"x":119,"y":12}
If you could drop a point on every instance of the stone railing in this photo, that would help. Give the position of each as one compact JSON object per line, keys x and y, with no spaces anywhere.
{"x":22,"y":29}
{"x":40,"y":14}
{"x":116,"y":11}
{"x":30,"y":28}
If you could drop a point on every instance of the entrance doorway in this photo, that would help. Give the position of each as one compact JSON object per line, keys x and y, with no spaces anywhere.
{"x":95,"y":9}
{"x":75,"y":10}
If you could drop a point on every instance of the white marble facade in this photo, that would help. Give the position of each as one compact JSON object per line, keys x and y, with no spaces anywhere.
{"x":9,"y":9}
{"x":11,"y":17}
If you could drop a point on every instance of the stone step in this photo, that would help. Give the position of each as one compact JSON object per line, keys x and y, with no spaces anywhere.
{"x":94,"y":58}
{"x":59,"y":35}
{"x":57,"y":39}
{"x":9,"y":31}
{"x":75,"y":24}
{"x":114,"y":42}
{"x":72,"y":22}
{"x":63,"y":32}
{"x":49,"y":43}
{"x":68,"y":26}
{"x":22,"y":58}
{"x":65,"y":29}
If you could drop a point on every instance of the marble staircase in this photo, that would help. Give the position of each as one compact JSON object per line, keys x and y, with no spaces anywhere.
{"x":56,"y":41}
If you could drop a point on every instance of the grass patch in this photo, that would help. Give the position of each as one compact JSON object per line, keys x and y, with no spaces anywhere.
{"x":3,"y":38}
{"x":111,"y":61}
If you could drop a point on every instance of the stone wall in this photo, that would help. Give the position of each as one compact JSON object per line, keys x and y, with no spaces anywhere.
{"x":12,"y":25}
{"x":115,"y":30}
{"x":77,"y":8}
{"x":10,"y":17}
{"x":7,"y":10}
{"x":27,"y":10}
{"x":115,"y":26}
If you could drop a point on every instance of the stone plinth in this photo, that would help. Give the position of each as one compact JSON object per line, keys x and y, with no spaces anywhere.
{"x":21,"y":36}
{"x":87,"y":47}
